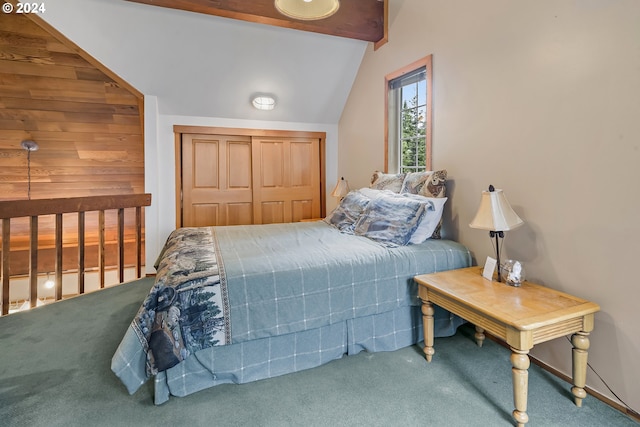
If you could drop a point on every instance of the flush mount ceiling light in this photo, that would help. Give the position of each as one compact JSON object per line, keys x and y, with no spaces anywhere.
{"x":307,"y":10}
{"x":264,"y":102}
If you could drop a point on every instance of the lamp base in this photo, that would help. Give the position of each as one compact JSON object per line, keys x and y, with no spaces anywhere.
{"x":498,"y":235}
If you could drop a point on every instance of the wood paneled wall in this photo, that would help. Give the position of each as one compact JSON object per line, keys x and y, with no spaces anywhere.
{"x":87,"y":121}
{"x":88,"y":124}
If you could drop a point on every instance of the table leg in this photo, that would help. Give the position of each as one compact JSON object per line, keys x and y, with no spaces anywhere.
{"x":479,"y":336}
{"x":427,"y":323}
{"x":580,"y":341}
{"x":520,"y":375}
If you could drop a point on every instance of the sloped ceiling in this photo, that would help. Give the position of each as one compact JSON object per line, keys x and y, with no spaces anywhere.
{"x":209,"y":66}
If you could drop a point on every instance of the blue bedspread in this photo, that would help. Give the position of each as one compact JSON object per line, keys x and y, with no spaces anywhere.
{"x":277,"y":279}
{"x":285,"y":278}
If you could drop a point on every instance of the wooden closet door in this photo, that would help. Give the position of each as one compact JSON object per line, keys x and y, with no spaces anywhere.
{"x":286,"y":179}
{"x":216,"y":180}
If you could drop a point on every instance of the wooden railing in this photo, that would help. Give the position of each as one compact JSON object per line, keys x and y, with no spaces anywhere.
{"x":27,"y":236}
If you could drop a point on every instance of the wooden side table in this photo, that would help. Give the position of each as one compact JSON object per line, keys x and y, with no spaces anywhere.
{"x":521,"y":316}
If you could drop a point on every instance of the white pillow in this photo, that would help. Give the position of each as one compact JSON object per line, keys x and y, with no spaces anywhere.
{"x":430,"y":220}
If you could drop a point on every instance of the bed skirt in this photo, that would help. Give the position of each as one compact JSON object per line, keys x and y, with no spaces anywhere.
{"x":273,"y":356}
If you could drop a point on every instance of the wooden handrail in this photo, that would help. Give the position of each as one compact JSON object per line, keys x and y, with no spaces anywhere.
{"x":21,"y":208}
{"x":32,"y":209}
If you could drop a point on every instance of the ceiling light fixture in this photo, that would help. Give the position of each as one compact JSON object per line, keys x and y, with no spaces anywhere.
{"x":264,"y":102}
{"x":30,"y":146}
{"x":307,"y":10}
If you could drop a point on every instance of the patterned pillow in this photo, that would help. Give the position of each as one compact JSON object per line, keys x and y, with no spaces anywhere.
{"x":390,"y":219}
{"x":428,"y":184}
{"x":387,"y":181}
{"x":435,"y":185}
{"x":348,"y":211}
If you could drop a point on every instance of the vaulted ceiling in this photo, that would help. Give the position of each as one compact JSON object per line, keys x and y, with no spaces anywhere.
{"x":357,"y":19}
{"x":202,"y":65}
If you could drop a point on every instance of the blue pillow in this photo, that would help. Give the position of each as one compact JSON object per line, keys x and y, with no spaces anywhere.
{"x":348,"y":211}
{"x":391,"y":219}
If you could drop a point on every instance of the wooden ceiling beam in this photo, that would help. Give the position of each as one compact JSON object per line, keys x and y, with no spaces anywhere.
{"x":356,"y":19}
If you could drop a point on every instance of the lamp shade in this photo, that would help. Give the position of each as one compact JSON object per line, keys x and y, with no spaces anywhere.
{"x":495,"y":213}
{"x":341,"y":189}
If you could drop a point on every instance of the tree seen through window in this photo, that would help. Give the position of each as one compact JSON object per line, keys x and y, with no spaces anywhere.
{"x":408,"y":118}
{"x":413,"y":119}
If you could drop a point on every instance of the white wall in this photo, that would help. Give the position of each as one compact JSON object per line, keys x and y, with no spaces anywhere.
{"x":541,"y":99}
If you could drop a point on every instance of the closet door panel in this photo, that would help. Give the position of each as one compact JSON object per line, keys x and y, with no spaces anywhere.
{"x":271,"y":165}
{"x":238,"y":168}
{"x":301,"y":170}
{"x":217,"y":180}
{"x":302,"y":209}
{"x":286,"y":175}
{"x":204,"y":214}
{"x":272,"y":212}
{"x":231,"y":180}
{"x":239,"y":213}
{"x":205,"y":164}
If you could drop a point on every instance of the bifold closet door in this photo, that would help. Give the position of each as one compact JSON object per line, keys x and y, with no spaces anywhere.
{"x":216,"y":180}
{"x":286,"y":179}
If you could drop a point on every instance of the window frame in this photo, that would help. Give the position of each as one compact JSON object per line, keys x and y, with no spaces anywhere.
{"x":425,"y":63}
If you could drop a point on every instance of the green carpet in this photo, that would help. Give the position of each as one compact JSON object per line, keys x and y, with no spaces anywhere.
{"x":55,"y":371}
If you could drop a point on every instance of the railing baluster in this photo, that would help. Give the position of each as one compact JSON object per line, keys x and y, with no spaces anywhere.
{"x":81,"y":253}
{"x":59,"y":252}
{"x":121,"y":244}
{"x":138,"y":241}
{"x":33,"y":262}
{"x":101,"y":243}
{"x":6,"y":255}
{"x":32,"y":209}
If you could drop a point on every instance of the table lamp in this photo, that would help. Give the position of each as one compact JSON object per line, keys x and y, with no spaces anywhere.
{"x":341,"y":189}
{"x":496,"y":215}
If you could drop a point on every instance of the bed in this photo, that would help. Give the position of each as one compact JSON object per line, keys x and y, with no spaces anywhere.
{"x":234,"y":304}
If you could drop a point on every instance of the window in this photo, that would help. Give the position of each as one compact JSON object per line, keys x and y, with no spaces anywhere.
{"x":408,"y":118}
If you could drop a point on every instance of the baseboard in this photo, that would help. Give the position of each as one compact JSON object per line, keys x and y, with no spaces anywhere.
{"x":627,"y":411}
{"x":553,"y":371}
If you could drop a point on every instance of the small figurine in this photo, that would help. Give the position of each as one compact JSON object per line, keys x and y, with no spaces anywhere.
{"x":512,"y":272}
